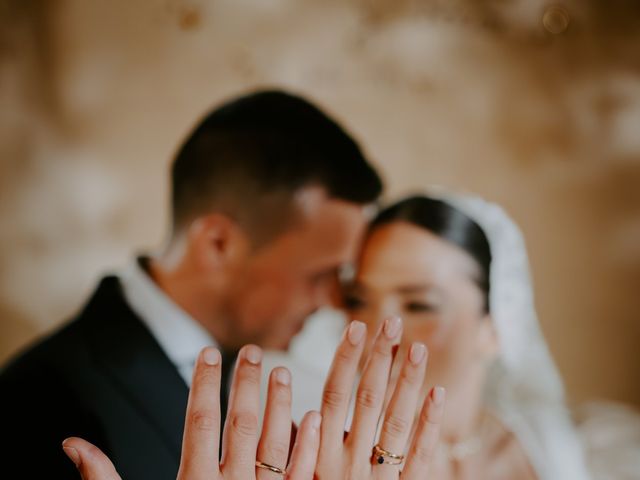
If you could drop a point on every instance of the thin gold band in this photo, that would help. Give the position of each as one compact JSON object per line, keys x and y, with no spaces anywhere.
{"x":271,"y":468}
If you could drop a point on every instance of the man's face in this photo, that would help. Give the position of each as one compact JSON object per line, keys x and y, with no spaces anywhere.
{"x":286,"y":280}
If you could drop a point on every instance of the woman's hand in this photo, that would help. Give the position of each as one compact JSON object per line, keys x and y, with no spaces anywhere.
{"x":353,"y":457}
{"x":242,"y":442}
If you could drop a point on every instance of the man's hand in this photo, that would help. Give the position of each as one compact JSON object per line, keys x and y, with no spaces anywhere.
{"x":242,"y":439}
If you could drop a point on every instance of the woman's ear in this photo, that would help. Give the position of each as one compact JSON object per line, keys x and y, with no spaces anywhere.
{"x":488,"y":342}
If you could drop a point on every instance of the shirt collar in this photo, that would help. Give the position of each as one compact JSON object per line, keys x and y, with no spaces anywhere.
{"x":179,"y":335}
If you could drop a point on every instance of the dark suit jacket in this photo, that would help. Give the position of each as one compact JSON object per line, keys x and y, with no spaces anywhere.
{"x":104,"y":378}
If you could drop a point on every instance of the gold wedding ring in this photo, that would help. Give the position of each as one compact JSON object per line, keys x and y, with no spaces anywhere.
{"x":271,"y":468}
{"x":381,"y":456}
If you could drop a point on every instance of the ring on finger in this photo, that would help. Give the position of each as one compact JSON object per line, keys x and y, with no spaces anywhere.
{"x":271,"y":468}
{"x":382,"y":456}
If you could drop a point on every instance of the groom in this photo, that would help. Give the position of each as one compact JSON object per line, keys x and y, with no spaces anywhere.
{"x":268,"y":197}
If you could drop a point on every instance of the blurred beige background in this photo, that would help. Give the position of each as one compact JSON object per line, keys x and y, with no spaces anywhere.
{"x":533,"y":105}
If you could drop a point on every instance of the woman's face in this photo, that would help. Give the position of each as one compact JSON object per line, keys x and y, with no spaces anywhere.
{"x":407,"y":271}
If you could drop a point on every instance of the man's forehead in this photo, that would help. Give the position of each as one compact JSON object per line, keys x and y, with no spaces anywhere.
{"x":326,"y":230}
{"x":313,"y":203}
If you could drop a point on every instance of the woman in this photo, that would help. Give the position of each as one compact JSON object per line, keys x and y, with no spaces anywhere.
{"x":455,"y":269}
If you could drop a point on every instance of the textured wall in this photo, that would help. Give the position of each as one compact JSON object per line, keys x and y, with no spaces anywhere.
{"x":476,"y":95}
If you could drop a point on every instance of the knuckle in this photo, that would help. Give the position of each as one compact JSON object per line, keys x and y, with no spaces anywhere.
{"x":381,"y":350}
{"x":395,"y":426}
{"x":343,"y":355}
{"x":421,"y":453}
{"x":276,"y":450}
{"x":281,"y":395}
{"x":202,"y":420}
{"x":206,"y":377}
{"x":249,"y":374}
{"x":428,"y":418}
{"x":93,"y":452}
{"x":368,"y":398}
{"x":244,"y":423}
{"x":332,"y":397}
{"x":409,"y":377}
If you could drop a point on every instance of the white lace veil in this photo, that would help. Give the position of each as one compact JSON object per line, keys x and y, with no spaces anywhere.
{"x":524,"y":388}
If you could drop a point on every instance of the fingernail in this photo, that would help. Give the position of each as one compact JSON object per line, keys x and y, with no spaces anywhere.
{"x":438,"y":395}
{"x":283,"y":377}
{"x":211,"y":356}
{"x":356,"y":332}
{"x":72,"y":453}
{"x":315,"y":421}
{"x":253,"y":354}
{"x":392,"y":327}
{"x":417,"y":353}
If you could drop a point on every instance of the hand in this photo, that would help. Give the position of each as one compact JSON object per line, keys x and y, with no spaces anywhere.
{"x":352,"y":457}
{"x":241,"y":440}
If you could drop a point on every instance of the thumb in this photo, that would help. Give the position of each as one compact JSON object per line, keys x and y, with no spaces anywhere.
{"x":89,"y":460}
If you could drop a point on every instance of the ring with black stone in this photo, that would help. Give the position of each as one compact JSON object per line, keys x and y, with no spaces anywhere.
{"x":381,"y":456}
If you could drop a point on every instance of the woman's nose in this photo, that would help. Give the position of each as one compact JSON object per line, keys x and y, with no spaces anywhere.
{"x":386,"y":310}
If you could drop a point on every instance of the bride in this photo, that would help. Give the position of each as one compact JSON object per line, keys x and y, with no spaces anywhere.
{"x":456,"y":270}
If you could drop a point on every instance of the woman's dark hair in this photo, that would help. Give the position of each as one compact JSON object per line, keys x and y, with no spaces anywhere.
{"x":448,"y":223}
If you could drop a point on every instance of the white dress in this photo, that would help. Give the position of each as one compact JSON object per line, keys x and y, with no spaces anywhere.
{"x":610,"y":433}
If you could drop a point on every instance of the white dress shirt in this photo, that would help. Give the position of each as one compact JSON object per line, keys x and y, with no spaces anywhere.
{"x":179,"y":335}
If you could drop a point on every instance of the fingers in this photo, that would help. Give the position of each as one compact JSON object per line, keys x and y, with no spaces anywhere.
{"x":305,"y":449}
{"x":241,"y":428}
{"x":373,"y":386}
{"x":337,"y":390}
{"x":201,"y":440}
{"x":401,"y":411}
{"x":273,"y":448}
{"x":425,"y":440}
{"x":90,"y":461}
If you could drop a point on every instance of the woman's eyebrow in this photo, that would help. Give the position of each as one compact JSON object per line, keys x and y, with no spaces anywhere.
{"x":414,"y":288}
{"x":419,"y":288}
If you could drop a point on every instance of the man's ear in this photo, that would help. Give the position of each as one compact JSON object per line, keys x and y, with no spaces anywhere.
{"x":488,"y":341}
{"x":216,"y":241}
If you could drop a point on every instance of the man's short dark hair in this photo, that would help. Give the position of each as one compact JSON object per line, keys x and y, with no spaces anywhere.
{"x":265,"y":145}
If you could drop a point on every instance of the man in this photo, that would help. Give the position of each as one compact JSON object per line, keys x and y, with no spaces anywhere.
{"x":268,"y":198}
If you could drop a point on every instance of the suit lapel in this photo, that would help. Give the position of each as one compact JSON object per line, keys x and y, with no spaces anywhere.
{"x":130,"y":355}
